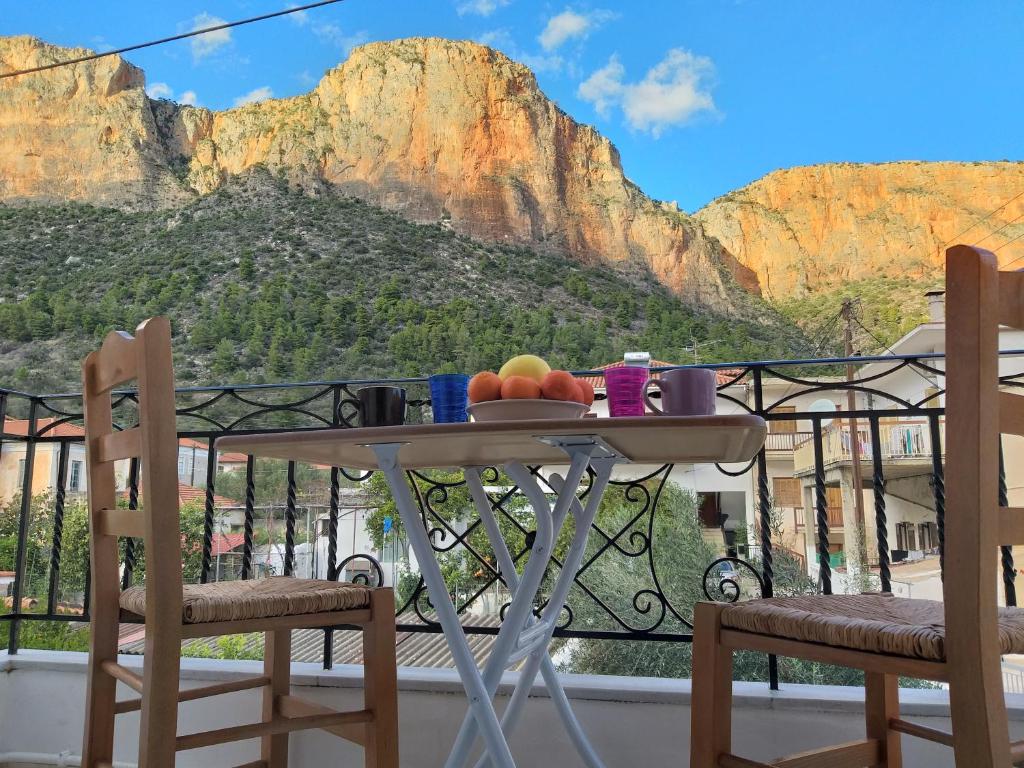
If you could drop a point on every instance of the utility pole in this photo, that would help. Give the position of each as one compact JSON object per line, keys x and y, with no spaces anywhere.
{"x":851,"y":406}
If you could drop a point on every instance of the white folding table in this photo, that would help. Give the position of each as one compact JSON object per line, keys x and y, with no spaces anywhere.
{"x":578,"y":443}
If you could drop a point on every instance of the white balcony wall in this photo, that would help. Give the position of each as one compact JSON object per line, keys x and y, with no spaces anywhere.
{"x":633,"y":721}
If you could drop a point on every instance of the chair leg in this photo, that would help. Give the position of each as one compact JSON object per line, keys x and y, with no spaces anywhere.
{"x":711,"y":699}
{"x":158,"y":726}
{"x":881,"y":704}
{"x":101,"y":693}
{"x":380,"y":681}
{"x":277,"y":658}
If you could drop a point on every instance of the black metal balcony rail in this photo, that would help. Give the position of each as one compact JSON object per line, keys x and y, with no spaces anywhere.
{"x":656,"y":611}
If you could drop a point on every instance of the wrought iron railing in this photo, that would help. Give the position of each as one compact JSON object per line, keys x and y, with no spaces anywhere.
{"x":658,"y":609}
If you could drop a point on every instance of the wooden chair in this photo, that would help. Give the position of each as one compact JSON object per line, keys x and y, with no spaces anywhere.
{"x":959,"y":641}
{"x":174,"y":612}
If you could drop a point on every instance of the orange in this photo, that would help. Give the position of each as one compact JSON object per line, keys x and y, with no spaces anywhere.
{"x":520,"y":388}
{"x":587,"y":390}
{"x":558,"y":385}
{"x":484,"y":386}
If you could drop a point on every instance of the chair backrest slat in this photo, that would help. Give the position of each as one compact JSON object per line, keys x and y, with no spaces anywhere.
{"x":116,"y":362}
{"x":145,"y":358}
{"x":977,"y":301}
{"x":1011,"y":299}
{"x":126,"y":444}
{"x":1011,"y":414}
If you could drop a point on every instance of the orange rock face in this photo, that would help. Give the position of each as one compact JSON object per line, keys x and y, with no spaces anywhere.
{"x":437,"y":130}
{"x":806,"y":229}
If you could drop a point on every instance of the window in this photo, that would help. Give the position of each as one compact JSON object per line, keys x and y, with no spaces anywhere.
{"x":906,"y":538}
{"x":787,"y":426}
{"x":75,"y":481}
{"x":786,"y":492}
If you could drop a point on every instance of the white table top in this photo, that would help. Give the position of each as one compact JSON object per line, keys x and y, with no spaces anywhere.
{"x":642,"y":440}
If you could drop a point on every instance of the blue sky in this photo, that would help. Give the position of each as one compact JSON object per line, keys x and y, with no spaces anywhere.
{"x":700,"y":97}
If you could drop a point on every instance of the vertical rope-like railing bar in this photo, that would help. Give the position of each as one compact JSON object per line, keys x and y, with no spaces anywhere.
{"x":58,"y":526}
{"x":938,"y":488}
{"x":23,"y":520}
{"x":764,"y":501}
{"x":1006,"y":552}
{"x":821,"y":509}
{"x":332,"y":528}
{"x":289,"y":531}
{"x":211,"y":473}
{"x":250,"y":511}
{"x":881,"y":517}
{"x":133,"y":503}
{"x":332,"y":556}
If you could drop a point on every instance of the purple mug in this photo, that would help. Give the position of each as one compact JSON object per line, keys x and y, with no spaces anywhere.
{"x":625,"y":387}
{"x":684,"y":392}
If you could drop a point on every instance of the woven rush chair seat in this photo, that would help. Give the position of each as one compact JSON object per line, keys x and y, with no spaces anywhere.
{"x":874,"y":623}
{"x":257,"y":599}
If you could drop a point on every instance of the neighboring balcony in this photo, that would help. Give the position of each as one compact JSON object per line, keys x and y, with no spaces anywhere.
{"x":905,"y":447}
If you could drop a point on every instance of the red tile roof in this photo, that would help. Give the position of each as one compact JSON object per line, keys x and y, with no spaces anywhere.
{"x":724,"y":375}
{"x":65,"y":429}
{"x":223,"y":543}
{"x":188,"y":442}
{"x":187,"y":493}
{"x":232,"y":458}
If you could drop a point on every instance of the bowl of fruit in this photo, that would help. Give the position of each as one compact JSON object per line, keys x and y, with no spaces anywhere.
{"x":527,"y":388}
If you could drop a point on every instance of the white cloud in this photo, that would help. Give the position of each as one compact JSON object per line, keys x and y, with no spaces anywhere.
{"x":298,"y":17}
{"x":204,"y":45}
{"x":480,"y":7}
{"x":159,"y":91}
{"x":257,"y":94}
{"x":497,"y":38}
{"x":671,"y":93}
{"x":164,"y":91}
{"x":570,"y":25}
{"x":332,"y":34}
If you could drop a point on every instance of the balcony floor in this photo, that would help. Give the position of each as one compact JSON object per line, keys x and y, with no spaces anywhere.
{"x":642,"y":721}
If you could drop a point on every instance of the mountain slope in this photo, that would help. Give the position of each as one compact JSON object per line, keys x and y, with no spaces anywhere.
{"x":435,"y":129}
{"x":266,"y":283}
{"x":815,"y":228}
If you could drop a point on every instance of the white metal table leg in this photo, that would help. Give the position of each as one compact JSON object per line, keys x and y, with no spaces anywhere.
{"x":524,"y":590}
{"x":539,"y":659}
{"x":479,"y":701}
{"x":511,"y":578}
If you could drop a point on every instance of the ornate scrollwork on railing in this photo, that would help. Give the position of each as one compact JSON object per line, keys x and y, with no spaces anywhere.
{"x":363,"y":578}
{"x":723,"y":583}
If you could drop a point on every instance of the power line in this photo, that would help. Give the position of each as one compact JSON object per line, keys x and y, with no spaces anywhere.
{"x":193,"y":33}
{"x":997,"y":231}
{"x":988,"y":215}
{"x":1018,"y":237}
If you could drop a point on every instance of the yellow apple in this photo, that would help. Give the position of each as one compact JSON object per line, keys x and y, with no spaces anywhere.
{"x":530,"y":366}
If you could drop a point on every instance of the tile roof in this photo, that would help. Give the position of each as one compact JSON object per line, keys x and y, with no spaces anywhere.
{"x":232,"y":458}
{"x":413,"y":649}
{"x":223,"y":543}
{"x":724,"y":375}
{"x":188,"y":442}
{"x":64,"y":429}
{"x":187,"y":493}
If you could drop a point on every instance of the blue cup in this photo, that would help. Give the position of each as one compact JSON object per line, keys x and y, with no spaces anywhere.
{"x":448,"y":397}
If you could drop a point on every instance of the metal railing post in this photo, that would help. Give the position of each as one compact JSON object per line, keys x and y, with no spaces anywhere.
{"x":23,"y":522}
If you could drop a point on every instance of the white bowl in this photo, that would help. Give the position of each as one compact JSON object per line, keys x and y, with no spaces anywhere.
{"x":517,"y":410}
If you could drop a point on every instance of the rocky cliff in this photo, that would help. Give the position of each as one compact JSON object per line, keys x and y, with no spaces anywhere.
{"x":79,"y":133}
{"x":809,"y":229}
{"x":435,"y":129}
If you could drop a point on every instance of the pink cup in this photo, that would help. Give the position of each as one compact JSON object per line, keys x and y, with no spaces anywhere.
{"x":625,"y":388}
{"x":684,"y":392}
